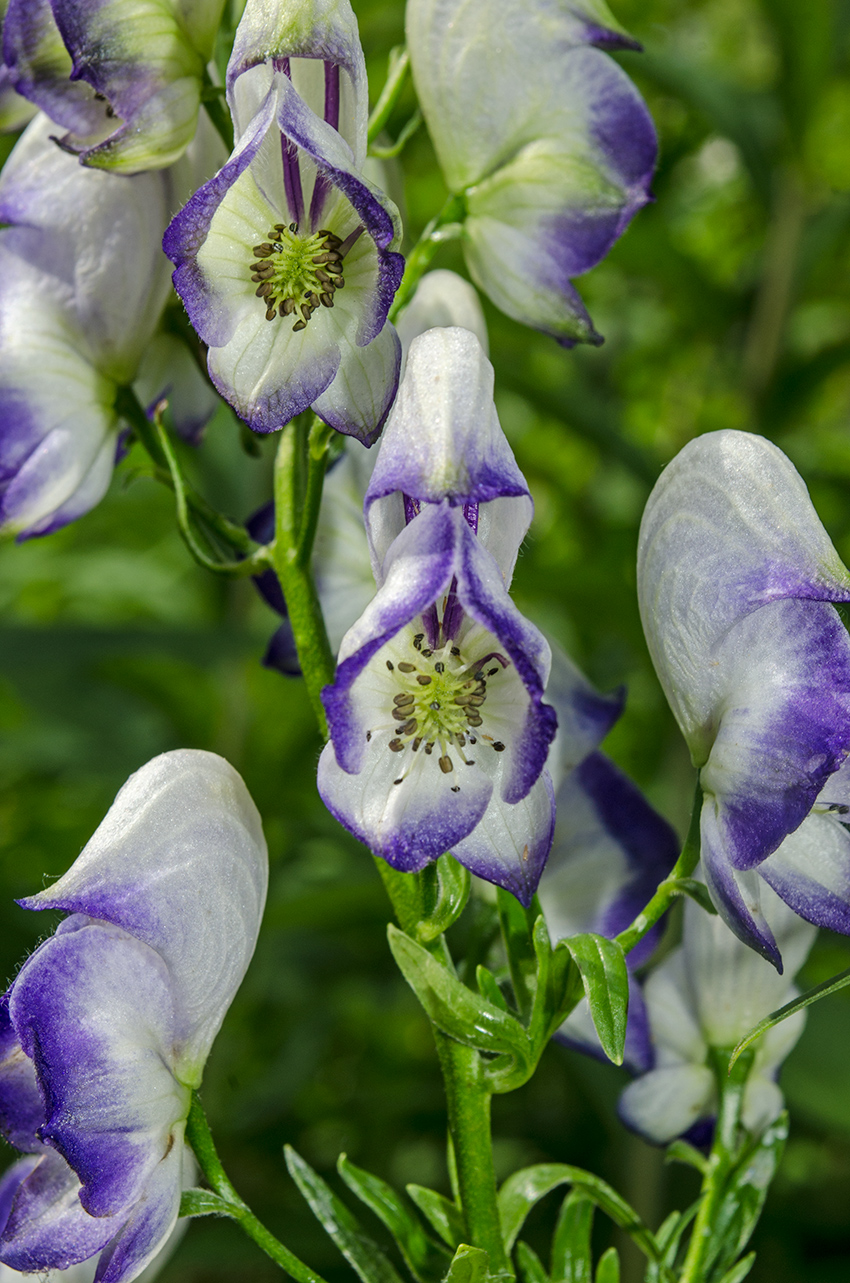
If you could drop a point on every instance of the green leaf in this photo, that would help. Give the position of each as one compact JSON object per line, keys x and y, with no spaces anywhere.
{"x":669,"y":1236}
{"x":443,"y":1215}
{"x":572,"y":1261}
{"x":469,"y":1265}
{"x":602,"y":965}
{"x":459,"y":1012}
{"x":697,"y":891}
{"x":681,"y":1152}
{"x":488,"y":987}
{"x":517,"y":932}
{"x":203,"y":1202}
{"x":530,"y":1265}
{"x":608,"y":1270}
{"x":426,"y":1260}
{"x":790,"y":1009}
{"x":521,"y":1191}
{"x":361,"y":1252}
{"x":744,"y":1194}
{"x":740,"y":1271}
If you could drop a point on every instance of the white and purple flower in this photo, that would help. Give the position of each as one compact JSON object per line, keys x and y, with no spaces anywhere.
{"x":286,"y":260}
{"x":709,"y":993}
{"x":736,"y":576}
{"x":122,"y":77}
{"x":545,"y":138}
{"x":439,"y":732}
{"x":106,"y":1029}
{"x":82,"y":289}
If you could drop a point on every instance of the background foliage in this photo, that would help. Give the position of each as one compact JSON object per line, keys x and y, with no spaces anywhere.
{"x":726,"y":305}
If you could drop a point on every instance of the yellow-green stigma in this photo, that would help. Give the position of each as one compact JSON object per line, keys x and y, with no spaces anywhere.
{"x":297,"y":274}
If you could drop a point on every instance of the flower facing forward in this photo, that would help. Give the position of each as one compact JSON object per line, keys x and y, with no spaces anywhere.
{"x":735,"y":578}
{"x":709,"y":993}
{"x":122,"y":77}
{"x":439,"y":732}
{"x":286,"y":260}
{"x":107,"y":1027}
{"x":545,"y":139}
{"x":82,"y":288}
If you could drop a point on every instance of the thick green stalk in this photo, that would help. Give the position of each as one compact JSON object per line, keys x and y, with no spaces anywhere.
{"x":723,"y":1153}
{"x":670,"y":888}
{"x":297,"y":496}
{"x":200,"y":1138}
{"x":419,"y":258}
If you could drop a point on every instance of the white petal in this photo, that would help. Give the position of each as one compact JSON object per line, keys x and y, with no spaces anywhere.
{"x":442,"y":298}
{"x":665,"y":1103}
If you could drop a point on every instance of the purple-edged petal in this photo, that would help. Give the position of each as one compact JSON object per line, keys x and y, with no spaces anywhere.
{"x":9,"y":1182}
{"x":510,"y":844}
{"x":180,"y":863}
{"x":150,"y":1223}
{"x":358,"y":399}
{"x":324,"y":32}
{"x":39,"y":68}
{"x":443,"y":440}
{"x":665,"y":1103}
{"x":735,"y":894}
{"x":584,"y":716}
{"x":94,"y":1010}
{"x":811,"y":872}
{"x":48,"y":1227}
{"x":610,"y":852}
{"x":728,"y":527}
{"x":21,"y":1102}
{"x":441,"y":299}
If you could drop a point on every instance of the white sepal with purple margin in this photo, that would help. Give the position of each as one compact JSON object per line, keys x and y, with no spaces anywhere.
{"x":709,"y":993}
{"x":442,"y":298}
{"x":286,"y":260}
{"x":437,"y":705}
{"x":552,"y":165}
{"x":443,"y":441}
{"x":735,"y":579}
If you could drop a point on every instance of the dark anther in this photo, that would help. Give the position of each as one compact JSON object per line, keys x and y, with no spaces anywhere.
{"x":299,"y":325}
{"x":368,"y":736}
{"x":446,"y":764}
{"x":418,"y":640}
{"x":416,"y":743}
{"x":455,"y":788}
{"x":455,"y":651}
{"x":491,"y":672}
{"x":423,"y":680}
{"x":429,"y":748}
{"x":439,"y":667}
{"x":409,"y":728}
{"x":396,"y":746}
{"x":407,"y":668}
{"x":400,"y":780}
{"x":389,"y":665}
{"x":287,"y":307}
{"x":271,"y":313}
{"x":404,"y":698}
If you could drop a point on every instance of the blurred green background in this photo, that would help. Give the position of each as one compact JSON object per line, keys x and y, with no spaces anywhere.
{"x":727,"y":304}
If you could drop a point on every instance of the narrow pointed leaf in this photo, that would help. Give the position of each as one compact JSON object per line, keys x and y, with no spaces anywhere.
{"x":469,"y":1265}
{"x":744,"y":1195}
{"x":572,"y":1261}
{"x":489,"y":988}
{"x":459,"y":1012}
{"x":203,"y":1202}
{"x":790,"y":1009}
{"x":517,"y":931}
{"x":740,"y":1271}
{"x":530,"y":1265}
{"x":426,"y":1260}
{"x":605,"y":977}
{"x":443,"y":1215}
{"x":681,"y":1152}
{"x":608,"y":1270}
{"x":697,"y":891}
{"x":361,"y":1252}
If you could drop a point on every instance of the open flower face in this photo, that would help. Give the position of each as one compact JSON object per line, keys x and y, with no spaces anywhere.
{"x":285,"y":260}
{"x":107,"y":1027}
{"x":735,"y":578}
{"x":439,"y":733}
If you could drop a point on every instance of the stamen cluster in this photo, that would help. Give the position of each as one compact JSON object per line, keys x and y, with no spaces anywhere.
{"x":297,"y":273}
{"x":440,"y":702}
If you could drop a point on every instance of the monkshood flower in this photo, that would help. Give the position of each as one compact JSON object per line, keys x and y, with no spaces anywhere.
{"x":106,"y":1029}
{"x":709,"y":992}
{"x":551,"y":164}
{"x":15,"y":111}
{"x":123,"y":77}
{"x":341,"y":565}
{"x":286,"y":259}
{"x":82,"y":288}
{"x":439,"y":733}
{"x":735,"y":578}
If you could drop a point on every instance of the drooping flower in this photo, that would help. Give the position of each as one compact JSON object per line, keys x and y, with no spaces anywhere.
{"x":735,"y":578}
{"x":286,"y":260}
{"x":82,"y":289}
{"x":107,"y":1027}
{"x":544,"y":137}
{"x":341,"y":565}
{"x":709,"y":992}
{"x":123,"y":77}
{"x":439,"y":732}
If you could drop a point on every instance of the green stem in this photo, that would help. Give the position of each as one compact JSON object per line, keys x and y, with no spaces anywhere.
{"x":297,"y":496}
{"x":211,"y":97}
{"x":200,"y":1138}
{"x":396,"y":76}
{"x":419,"y":258}
{"x":723,"y":1152}
{"x":669,"y":889}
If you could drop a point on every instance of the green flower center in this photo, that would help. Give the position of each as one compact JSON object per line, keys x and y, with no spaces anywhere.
{"x":440,"y":702}
{"x":297,"y":274}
